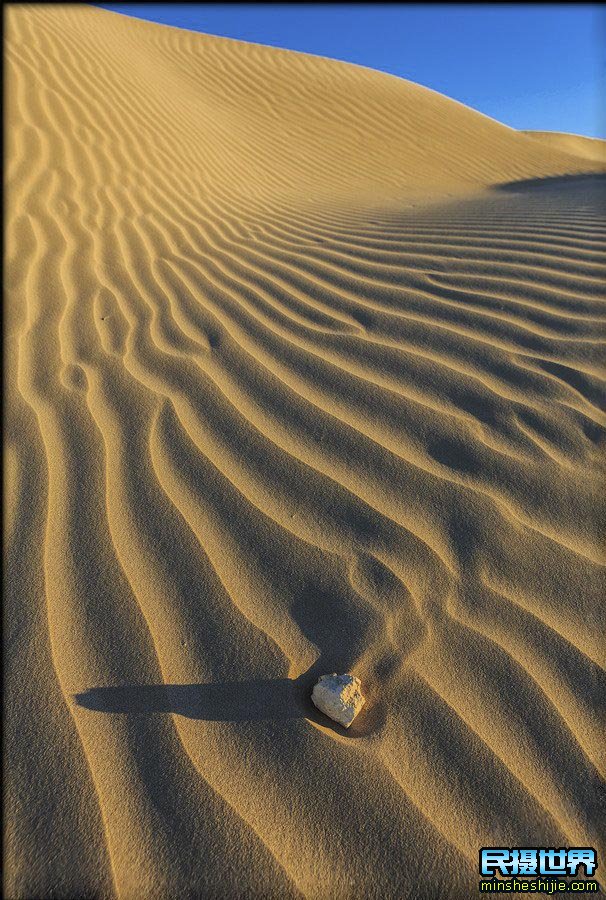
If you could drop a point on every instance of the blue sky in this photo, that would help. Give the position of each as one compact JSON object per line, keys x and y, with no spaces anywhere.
{"x":530,"y":66}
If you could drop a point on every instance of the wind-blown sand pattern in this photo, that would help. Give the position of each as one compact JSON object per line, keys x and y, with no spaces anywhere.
{"x":304,"y":371}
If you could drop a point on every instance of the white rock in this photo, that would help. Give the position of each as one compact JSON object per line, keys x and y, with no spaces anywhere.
{"x":339,"y":696}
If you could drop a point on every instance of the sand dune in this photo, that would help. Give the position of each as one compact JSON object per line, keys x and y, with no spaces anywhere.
{"x":304,"y":373}
{"x":592,"y":148}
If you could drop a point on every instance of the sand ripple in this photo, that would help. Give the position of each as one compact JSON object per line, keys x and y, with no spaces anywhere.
{"x":304,"y":374}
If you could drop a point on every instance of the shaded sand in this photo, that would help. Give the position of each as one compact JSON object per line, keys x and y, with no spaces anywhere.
{"x":304,"y":371}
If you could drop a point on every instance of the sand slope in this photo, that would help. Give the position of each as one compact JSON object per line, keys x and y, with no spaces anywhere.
{"x":591,"y":148}
{"x":304,"y":371}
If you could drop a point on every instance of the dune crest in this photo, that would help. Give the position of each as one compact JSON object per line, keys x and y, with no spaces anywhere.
{"x":575,"y":144}
{"x":304,"y":373}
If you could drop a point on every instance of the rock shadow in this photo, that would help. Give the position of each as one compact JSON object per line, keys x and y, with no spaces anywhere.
{"x":258,"y":700}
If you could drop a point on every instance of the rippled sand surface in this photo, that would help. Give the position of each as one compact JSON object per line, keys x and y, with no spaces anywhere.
{"x":304,"y":372}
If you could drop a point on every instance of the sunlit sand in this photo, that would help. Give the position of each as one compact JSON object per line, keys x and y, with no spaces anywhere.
{"x":304,"y":374}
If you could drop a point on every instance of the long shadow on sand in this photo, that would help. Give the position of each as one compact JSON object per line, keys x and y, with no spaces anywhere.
{"x":278,"y":699}
{"x":237,"y":701}
{"x":591,"y":180}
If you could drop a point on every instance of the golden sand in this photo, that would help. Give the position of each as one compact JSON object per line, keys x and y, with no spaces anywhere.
{"x":303,"y":371}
